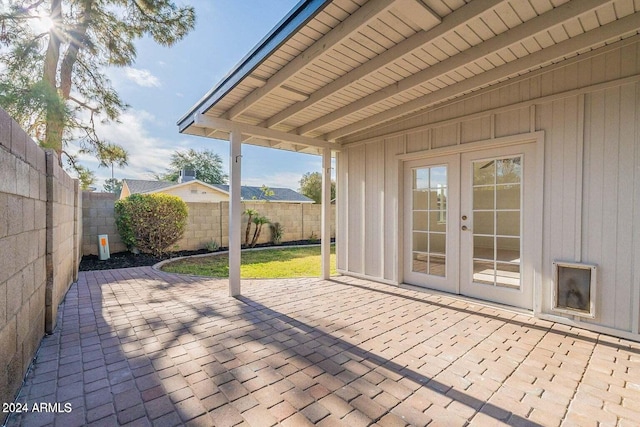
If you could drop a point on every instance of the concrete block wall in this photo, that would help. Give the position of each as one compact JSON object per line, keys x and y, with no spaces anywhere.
{"x":36,"y":262}
{"x":64,"y":210}
{"x":291,"y":216}
{"x":98,"y":217}
{"x":206,"y":222}
{"x":203,"y":226}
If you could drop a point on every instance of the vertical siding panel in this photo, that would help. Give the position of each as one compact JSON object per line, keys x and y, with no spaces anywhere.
{"x":584,"y":73}
{"x":544,"y":120}
{"x":558,"y":80}
{"x":593,"y":187}
{"x":418,"y":141}
{"x":635,"y":300}
{"x":546,"y":84}
{"x":571,"y":77}
{"x":372,"y":210}
{"x":392,"y":190}
{"x":342,"y":233}
{"x":612,"y":61}
{"x":524,"y":120}
{"x":624,"y":242}
{"x":598,"y":66}
{"x":629,"y":61}
{"x":535,"y":86}
{"x":476,"y":130}
{"x":473,"y":105}
{"x":557,"y":178}
{"x":569,"y":177}
{"x":444,"y":136}
{"x":356,"y":209}
{"x":609,"y":205}
{"x":525,"y":90}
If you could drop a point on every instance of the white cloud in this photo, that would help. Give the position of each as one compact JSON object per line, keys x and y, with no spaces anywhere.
{"x":142,"y":77}
{"x":147,"y":154}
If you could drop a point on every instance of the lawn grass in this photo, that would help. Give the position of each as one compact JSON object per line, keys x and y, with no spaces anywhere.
{"x":260,"y":264}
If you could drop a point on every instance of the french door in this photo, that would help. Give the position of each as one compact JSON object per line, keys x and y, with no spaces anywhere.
{"x":468,"y":224}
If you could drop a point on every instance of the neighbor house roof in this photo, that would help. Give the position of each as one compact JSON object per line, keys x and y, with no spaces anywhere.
{"x":247,"y":193}
{"x":332,"y":70}
{"x":141,"y":186}
{"x":279,"y":194}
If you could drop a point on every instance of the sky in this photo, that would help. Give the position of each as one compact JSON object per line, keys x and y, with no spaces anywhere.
{"x":164,"y":83}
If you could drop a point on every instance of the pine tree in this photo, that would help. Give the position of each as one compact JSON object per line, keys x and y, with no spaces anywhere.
{"x":54,"y":57}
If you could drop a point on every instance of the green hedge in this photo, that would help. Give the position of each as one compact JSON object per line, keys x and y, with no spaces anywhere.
{"x":152,"y":223}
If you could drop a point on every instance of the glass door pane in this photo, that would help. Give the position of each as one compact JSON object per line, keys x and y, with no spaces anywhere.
{"x":497,"y":208}
{"x":429,"y":224}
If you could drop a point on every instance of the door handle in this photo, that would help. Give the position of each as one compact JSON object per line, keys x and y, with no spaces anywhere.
{"x":465,"y":228}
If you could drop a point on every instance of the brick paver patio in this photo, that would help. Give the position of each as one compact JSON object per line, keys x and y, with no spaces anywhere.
{"x":140,"y":347}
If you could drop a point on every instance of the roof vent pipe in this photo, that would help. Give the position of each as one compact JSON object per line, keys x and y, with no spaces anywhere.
{"x":186,"y":175}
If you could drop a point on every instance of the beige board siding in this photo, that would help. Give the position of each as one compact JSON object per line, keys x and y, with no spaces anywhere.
{"x":39,"y":248}
{"x":591,"y":162}
{"x":198,"y":193}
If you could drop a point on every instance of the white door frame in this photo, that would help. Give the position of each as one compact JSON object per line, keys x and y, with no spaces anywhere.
{"x":450,"y":282}
{"x":538,"y":138}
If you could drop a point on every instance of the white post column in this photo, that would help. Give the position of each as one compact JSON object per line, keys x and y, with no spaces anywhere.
{"x":235,"y":212}
{"x":325,"y":233}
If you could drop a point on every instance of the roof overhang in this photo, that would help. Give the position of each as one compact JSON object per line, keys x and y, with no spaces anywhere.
{"x":334,"y":69}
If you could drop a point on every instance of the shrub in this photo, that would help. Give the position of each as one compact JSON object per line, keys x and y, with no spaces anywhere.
{"x":212,"y":246}
{"x":151,"y":222}
{"x":277,"y":232}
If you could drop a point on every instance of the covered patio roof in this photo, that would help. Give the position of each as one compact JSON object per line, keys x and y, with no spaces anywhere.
{"x":334,"y":68}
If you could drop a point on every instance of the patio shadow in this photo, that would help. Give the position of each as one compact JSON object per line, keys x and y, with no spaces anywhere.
{"x":419,"y":379}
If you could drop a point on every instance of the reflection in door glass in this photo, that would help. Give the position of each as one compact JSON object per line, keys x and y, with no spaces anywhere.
{"x":497,"y":212}
{"x":429,"y":225}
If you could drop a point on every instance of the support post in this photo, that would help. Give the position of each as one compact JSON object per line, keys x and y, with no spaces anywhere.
{"x":235,"y":212}
{"x":325,"y":233}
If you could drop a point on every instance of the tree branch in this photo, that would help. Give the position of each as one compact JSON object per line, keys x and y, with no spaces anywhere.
{"x":84,"y":104}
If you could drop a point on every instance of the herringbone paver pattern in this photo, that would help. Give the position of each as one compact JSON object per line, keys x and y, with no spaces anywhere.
{"x":140,"y":347}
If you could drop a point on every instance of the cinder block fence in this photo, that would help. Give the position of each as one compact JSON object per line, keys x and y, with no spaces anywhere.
{"x":206,"y":222}
{"x":40,"y":235}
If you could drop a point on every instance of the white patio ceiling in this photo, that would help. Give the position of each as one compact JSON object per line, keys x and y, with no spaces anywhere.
{"x":353,"y":64}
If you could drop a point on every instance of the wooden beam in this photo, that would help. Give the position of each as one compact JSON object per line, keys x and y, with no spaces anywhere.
{"x":406,"y":47}
{"x":345,"y":29}
{"x":204,"y":121}
{"x":254,"y":81}
{"x":552,"y":53}
{"x":418,"y":13}
{"x":523,"y":31}
{"x":290,"y":93}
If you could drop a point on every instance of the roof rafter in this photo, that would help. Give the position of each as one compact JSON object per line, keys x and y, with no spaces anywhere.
{"x":352,"y":24}
{"x":449,"y":23}
{"x":523,"y":31}
{"x":219,"y":124}
{"x":579,"y":43}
